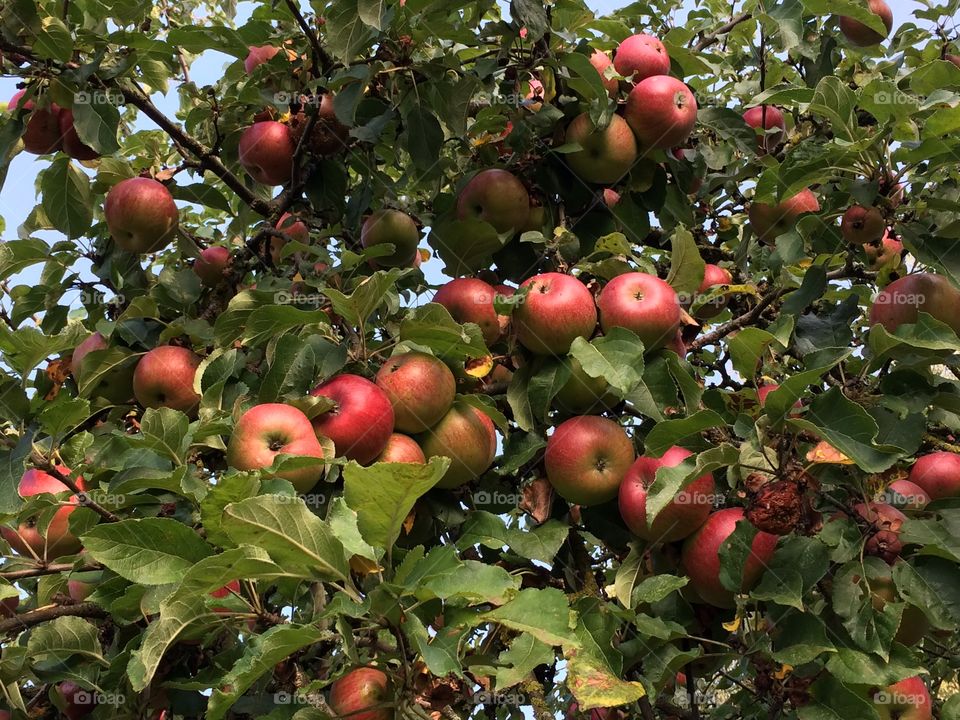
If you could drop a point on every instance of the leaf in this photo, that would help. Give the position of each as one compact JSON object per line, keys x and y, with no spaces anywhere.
{"x":629,"y":574}
{"x":747,"y":349}
{"x":835,"y":101}
{"x":424,"y":137}
{"x":668,"y":433}
{"x":201,"y":194}
{"x":595,"y":686}
{"x":544,"y":613}
{"x":671,"y":480}
{"x":519,"y":660}
{"x":541,"y":543}
{"x":432,"y":326}
{"x":686,"y":265}
{"x":97,"y":120}
{"x":53,"y":40}
{"x":474,"y":582}
{"x":465,"y":246}
{"x":166,"y":432}
{"x":65,"y":637}
{"x":531,"y":15}
{"x":617,"y":357}
{"x":66,"y":198}
{"x":734,"y":553}
{"x":372,"y":12}
{"x":18,"y":255}
{"x":369,"y":294}
{"x":656,"y":588}
{"x":346,"y":33}
{"x":440,"y":655}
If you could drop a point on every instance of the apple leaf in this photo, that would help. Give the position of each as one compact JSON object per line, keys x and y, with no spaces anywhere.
{"x":519,"y":660}
{"x":617,"y":357}
{"x":671,"y":480}
{"x":369,"y":294}
{"x":595,"y":686}
{"x":64,"y":638}
{"x":67,"y":198}
{"x":432,"y":327}
{"x":672,"y":432}
{"x":686,"y":265}
{"x":544,"y":613}
{"x":540,"y":543}
{"x":97,"y":120}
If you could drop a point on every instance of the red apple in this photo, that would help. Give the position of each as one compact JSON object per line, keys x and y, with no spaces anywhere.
{"x":955,"y":59}
{"x":642,"y":303}
{"x":701,"y":557}
{"x":210,"y":265}
{"x":763,"y":119}
{"x":907,"y":494}
{"x":713,"y":275}
{"x":533,"y":99}
{"x":938,"y":474}
{"x":79,"y":702}
{"x":641,"y":56}
{"x":862,"y":225}
{"x":884,"y":254}
{"x":582,"y":394}
{"x":41,"y":135}
{"x":402,"y":449}
{"x":466,"y":436}
{"x":94,"y":342}
{"x":394,"y":228}
{"x":607,"y":154}
{"x":164,"y":378}
{"x":79,"y":591}
{"x":601,"y":61}
{"x":686,"y":512}
{"x":362,"y":420}
{"x":863,"y":36}
{"x":902,"y":300}
{"x":610,"y":197}
{"x":58,"y":540}
{"x":258,"y":55}
{"x":361,"y":694}
{"x":906,"y":700}
{"x":271,"y":429}
{"x":420,"y":388}
{"x":266,"y":152}
{"x":470,"y":300}
{"x":676,"y":344}
{"x":231,"y":588}
{"x":141,"y":215}
{"x":72,"y":145}
{"x":329,"y":136}
{"x":587,"y":458}
{"x":497,"y":197}
{"x":557,"y":309}
{"x":662,"y":111}
{"x":770,"y":221}
{"x":292,"y":227}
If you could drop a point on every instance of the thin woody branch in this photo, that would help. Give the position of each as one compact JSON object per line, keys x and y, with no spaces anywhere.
{"x":27,"y":620}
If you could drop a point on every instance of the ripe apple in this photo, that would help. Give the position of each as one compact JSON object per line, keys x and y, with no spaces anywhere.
{"x":764,"y":118}
{"x":420,"y":388}
{"x":662,"y":111}
{"x":467,"y":436}
{"x":210,"y":265}
{"x":601,"y":61}
{"x":713,"y":275}
{"x":676,"y":344}
{"x":292,"y":227}
{"x":266,"y":152}
{"x":141,"y":215}
{"x":557,"y":309}
{"x":862,"y":225}
{"x":258,"y":55}
{"x":902,"y":300}
{"x":906,"y":700}
{"x":470,"y":300}
{"x":361,"y":695}
{"x":701,"y":557}
{"x":907,"y":494}
{"x":78,"y":701}
{"x":642,"y":303}
{"x":770,"y":221}
{"x":687,"y":511}
{"x":402,"y":449}
{"x":883,"y":254}
{"x":94,"y":342}
{"x":863,"y":36}
{"x":362,"y":420}
{"x":41,"y":135}
{"x":607,"y":154}
{"x":271,"y":429}
{"x":231,"y":588}
{"x":70,"y":140}
{"x":164,"y":378}
{"x":497,"y":197}
{"x":58,"y":540}
{"x":582,"y":394}
{"x":587,"y":458}
{"x":395,"y":228}
{"x":938,"y":474}
{"x":641,"y":56}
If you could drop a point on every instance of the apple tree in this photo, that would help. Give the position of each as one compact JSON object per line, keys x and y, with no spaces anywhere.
{"x":413,"y":359}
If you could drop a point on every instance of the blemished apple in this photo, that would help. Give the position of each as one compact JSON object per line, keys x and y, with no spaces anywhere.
{"x":938,"y":474}
{"x":141,"y":215}
{"x":908,"y":699}
{"x":58,"y":541}
{"x":467,"y":436}
{"x":295,"y":229}
{"x":361,"y":422}
{"x":582,"y":394}
{"x":587,"y":458}
{"x":402,"y":449}
{"x":164,"y":378}
{"x":557,"y":309}
{"x":497,"y":197}
{"x":687,"y":511}
{"x":907,"y":494}
{"x":258,"y":55}
{"x":420,"y":387}
{"x":362,"y":694}
{"x":641,"y":56}
{"x":862,"y":225}
{"x":901,"y":302}
{"x":41,"y":133}
{"x":607,"y":154}
{"x":601,"y":61}
{"x":79,"y":702}
{"x":266,"y":152}
{"x":770,"y":221}
{"x":470,"y":300}
{"x":210,"y":265}
{"x":395,"y":228}
{"x":271,"y":429}
{"x":884,"y":254}
{"x":713,"y":276}
{"x":701,"y":557}
{"x":863,"y":36}
{"x":661,"y":111}
{"x":763,"y":119}
{"x":643,"y":304}
{"x":70,"y":141}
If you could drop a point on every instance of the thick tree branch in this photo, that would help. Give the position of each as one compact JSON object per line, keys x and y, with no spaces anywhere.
{"x":53,"y":569}
{"x":322,"y":62}
{"x":35,"y":617}
{"x":712,"y":37}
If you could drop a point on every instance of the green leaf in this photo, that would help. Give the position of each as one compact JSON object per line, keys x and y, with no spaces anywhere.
{"x":432,"y":326}
{"x":465,"y":246}
{"x":734,"y":552}
{"x":835,"y":101}
{"x":346,"y":33}
{"x":617,"y":357}
{"x":672,"y":480}
{"x":66,"y":198}
{"x":686,"y":265}
{"x":372,"y":12}
{"x":656,"y":588}
{"x":540,"y":543}
{"x":473,"y":582}
{"x":544,"y":613}
{"x":53,"y":40}
{"x":201,"y":194}
{"x":65,"y":637}
{"x":18,"y":255}
{"x":97,"y":120}
{"x":166,"y":432}
{"x":519,"y":660}
{"x":424,"y":137}
{"x":369,"y":294}
{"x":668,"y":433}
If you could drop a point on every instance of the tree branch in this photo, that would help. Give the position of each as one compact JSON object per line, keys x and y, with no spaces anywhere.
{"x":322,"y":62}
{"x":710,"y":38}
{"x":53,"y":569}
{"x":35,"y":617}
{"x":82,"y":496}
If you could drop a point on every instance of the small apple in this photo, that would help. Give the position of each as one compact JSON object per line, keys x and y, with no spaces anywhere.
{"x":642,"y":303}
{"x":955,"y":59}
{"x":141,"y":215}
{"x":94,"y":342}
{"x":79,"y":591}
{"x":41,"y":135}
{"x":470,"y":300}
{"x":601,"y":61}
{"x":402,"y":449}
{"x":582,"y":394}
{"x":79,"y":702}
{"x":770,"y":221}
{"x":906,"y":700}
{"x":713,"y":276}
{"x":863,"y":36}
{"x":610,"y":197}
{"x":902,"y":300}
{"x":70,"y":140}
{"x":258,"y":55}
{"x":271,"y":429}
{"x":164,"y":378}
{"x":641,"y":56}
{"x":395,"y":228}
{"x":420,"y":388}
{"x":266,"y":152}
{"x":884,"y":254}
{"x":497,"y":197}
{"x":557,"y":309}
{"x":587,"y":458}
{"x":467,"y":436}
{"x":863,"y":225}
{"x":292,"y":227}
{"x":361,"y":694}
{"x":361,"y":422}
{"x":210,"y":265}
{"x":58,"y":540}
{"x":938,"y":474}
{"x":607,"y":154}
{"x":763,"y":119}
{"x":907,"y":494}
{"x":662,"y":111}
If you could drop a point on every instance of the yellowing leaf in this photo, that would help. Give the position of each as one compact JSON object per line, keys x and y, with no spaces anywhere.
{"x":824,"y":452}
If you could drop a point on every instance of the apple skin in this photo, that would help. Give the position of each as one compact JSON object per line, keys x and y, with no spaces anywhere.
{"x":681,"y":518}
{"x":938,"y":474}
{"x":642,"y":303}
{"x":271,"y":429}
{"x":70,"y":140}
{"x":662,"y":111}
{"x":361,"y":422}
{"x":402,"y":449}
{"x":79,"y":701}
{"x":713,"y":275}
{"x":582,"y":394}
{"x":266,"y":152}
{"x":641,"y":56}
{"x":41,"y":134}
{"x":164,"y":378}
{"x":862,"y":225}
{"x":770,"y":221}
{"x":497,"y":197}
{"x":210,"y":265}
{"x":909,"y":495}
{"x":357,"y":695}
{"x":59,"y":541}
{"x":863,"y":36}
{"x":676,"y":344}
{"x":420,"y":388}
{"x":601,"y":61}
{"x":763,"y":118}
{"x":471,"y":300}
{"x":466,"y":436}
{"x":141,"y":215}
{"x":558,"y":309}
{"x":607,"y":154}
{"x":955,"y":59}
{"x":883,"y":254}
{"x":295,"y":229}
{"x":902,"y":300}
{"x":94,"y":342}
{"x":79,"y":591}
{"x":391,"y":227}
{"x":587,"y":458}
{"x":906,"y":700}
{"x":701,"y":557}
{"x":258,"y":55}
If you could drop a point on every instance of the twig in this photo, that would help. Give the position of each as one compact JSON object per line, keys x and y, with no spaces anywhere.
{"x":710,"y":38}
{"x":322,"y":62}
{"x":45,"y":570}
{"x":82,"y":496}
{"x":35,"y":617}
